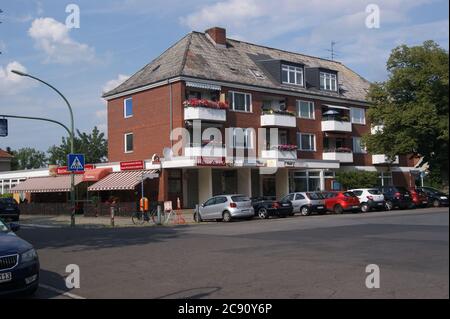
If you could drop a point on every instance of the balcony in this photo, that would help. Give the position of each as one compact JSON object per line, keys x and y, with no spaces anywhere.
{"x":337,"y":155}
{"x":205,"y":151}
{"x":282,"y":152}
{"x":333,"y":125}
{"x":278,"y":119}
{"x":381,"y":159}
{"x":205,"y":110}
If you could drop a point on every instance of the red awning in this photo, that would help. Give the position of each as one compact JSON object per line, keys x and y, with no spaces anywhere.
{"x":94,"y":175}
{"x":46,"y":184}
{"x":126,"y":180}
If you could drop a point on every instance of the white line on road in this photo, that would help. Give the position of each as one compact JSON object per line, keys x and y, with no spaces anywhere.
{"x":61,"y":292}
{"x":38,"y":226}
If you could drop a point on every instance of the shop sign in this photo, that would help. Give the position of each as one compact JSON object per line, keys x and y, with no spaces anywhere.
{"x":211,"y":161}
{"x":289,"y":164}
{"x":131,"y":165}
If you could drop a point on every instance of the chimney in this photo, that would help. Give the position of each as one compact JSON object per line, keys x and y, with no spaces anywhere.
{"x":218,"y":36}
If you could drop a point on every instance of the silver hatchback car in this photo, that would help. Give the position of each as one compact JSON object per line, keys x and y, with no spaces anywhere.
{"x":227,"y":207}
{"x":307,"y":203}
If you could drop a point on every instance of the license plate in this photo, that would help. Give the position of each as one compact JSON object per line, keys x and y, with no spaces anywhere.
{"x":246,"y":210}
{"x":319,"y":207}
{"x":5,"y":277}
{"x":380,"y":204}
{"x":355,"y":207}
{"x":285,"y":205}
{"x":424,"y":202}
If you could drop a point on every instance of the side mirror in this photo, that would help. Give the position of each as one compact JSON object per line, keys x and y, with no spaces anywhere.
{"x":14,"y":227}
{"x":202,"y":205}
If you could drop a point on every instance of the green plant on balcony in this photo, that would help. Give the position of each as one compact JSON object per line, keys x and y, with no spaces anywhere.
{"x":277,"y":112}
{"x":206,"y":104}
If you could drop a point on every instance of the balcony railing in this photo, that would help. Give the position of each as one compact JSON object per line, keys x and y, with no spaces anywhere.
{"x":381,"y":159}
{"x":336,"y":124}
{"x":205,"y":151}
{"x":272,"y":118}
{"x":195,"y":109}
{"x":342,"y":155}
{"x":283,"y":152}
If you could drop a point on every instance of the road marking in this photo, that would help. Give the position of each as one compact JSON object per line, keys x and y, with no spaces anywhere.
{"x":61,"y":292}
{"x":38,"y":226}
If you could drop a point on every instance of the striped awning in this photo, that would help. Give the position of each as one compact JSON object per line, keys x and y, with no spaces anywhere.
{"x":48,"y":184}
{"x":126,"y":180}
{"x":205,"y":86}
{"x":337,"y":107}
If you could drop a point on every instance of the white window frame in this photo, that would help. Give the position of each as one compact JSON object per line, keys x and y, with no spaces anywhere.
{"x":357,"y":146}
{"x":299,"y":142}
{"x":312,"y":108}
{"x":248,"y":138}
{"x":125,"y":108}
{"x":327,"y":84}
{"x":353,"y":119}
{"x":125,"y":143}
{"x":248,"y":108}
{"x":297,"y":71}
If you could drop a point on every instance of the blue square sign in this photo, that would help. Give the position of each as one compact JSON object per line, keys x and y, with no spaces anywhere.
{"x":75,"y":162}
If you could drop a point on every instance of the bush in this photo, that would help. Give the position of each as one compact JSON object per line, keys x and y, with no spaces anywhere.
{"x":6,"y":195}
{"x":357,"y":179}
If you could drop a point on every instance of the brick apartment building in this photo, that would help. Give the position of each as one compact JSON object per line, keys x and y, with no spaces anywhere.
{"x":318,"y":106}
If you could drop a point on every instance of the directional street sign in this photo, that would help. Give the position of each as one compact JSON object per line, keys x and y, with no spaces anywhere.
{"x":3,"y":127}
{"x":75,"y":162}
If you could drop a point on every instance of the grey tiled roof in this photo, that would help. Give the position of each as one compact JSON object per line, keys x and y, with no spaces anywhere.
{"x":195,"y":55}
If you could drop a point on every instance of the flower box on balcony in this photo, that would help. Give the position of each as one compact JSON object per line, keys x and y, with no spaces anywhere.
{"x":195,"y":109}
{"x":278,"y":118}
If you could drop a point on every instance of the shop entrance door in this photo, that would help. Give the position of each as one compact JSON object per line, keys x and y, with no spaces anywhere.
{"x":269,"y":187}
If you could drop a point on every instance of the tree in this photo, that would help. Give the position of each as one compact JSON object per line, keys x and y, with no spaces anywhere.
{"x":412,"y":107}
{"x":357,"y":179}
{"x":27,"y":158}
{"x":94,"y":146}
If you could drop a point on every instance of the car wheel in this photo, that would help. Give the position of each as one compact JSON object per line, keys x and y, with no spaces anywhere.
{"x":365,"y":207}
{"x":389,"y":205}
{"x":338,"y":209}
{"x":436,"y":203}
{"x":226,"y":217}
{"x":304,"y":211}
{"x":262,"y":213}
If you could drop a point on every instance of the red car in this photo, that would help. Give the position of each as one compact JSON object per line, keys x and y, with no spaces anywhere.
{"x":340,"y":202}
{"x":419,"y":198}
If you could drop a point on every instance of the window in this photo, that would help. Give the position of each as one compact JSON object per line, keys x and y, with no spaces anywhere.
{"x":358,"y":115}
{"x":299,"y":197}
{"x":305,"y":110}
{"x":292,"y":75}
{"x":210,"y":202}
{"x":242,"y":138}
{"x":328,"y":81}
{"x":128,"y":142}
{"x":357,"y":146}
{"x":240,"y":101}
{"x":128,"y":108}
{"x":306,"y":142}
{"x":220,"y":200}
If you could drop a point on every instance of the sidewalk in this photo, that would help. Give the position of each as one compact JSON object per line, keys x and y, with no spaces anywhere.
{"x":92,"y":222}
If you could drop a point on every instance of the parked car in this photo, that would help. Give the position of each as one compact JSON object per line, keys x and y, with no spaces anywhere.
{"x":265,"y":207}
{"x":396,"y":197}
{"x":340,"y":202}
{"x":419,"y":197}
{"x":435,"y":197}
{"x":226,"y":208}
{"x":19,"y":263}
{"x":9,"y":209}
{"x":369,"y":198}
{"x":306,"y":203}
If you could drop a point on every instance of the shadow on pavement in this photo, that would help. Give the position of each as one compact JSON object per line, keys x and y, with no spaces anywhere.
{"x":193,"y":293}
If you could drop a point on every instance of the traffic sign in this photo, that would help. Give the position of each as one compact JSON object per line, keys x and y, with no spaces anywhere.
{"x":75,"y":162}
{"x":3,"y":127}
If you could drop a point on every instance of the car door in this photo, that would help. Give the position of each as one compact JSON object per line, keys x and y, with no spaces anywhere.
{"x":207,"y":209}
{"x":291,"y":198}
{"x":219,"y":206}
{"x":299,"y":200}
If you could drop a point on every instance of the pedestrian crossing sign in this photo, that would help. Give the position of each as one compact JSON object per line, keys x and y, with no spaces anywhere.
{"x":75,"y":162}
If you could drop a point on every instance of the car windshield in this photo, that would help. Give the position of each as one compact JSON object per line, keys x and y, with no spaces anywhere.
{"x":3,"y":227}
{"x":314,"y":196}
{"x":239,"y":198}
{"x":374,"y":192}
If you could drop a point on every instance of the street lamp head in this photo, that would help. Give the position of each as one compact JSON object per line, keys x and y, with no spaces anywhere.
{"x":19,"y":73}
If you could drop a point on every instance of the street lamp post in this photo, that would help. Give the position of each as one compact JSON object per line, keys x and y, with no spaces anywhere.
{"x":72,"y":134}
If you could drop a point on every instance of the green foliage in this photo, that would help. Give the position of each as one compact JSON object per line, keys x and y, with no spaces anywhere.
{"x":93,"y":145}
{"x":412,"y":106}
{"x":6,"y":196}
{"x":27,"y":158}
{"x":357,"y":179}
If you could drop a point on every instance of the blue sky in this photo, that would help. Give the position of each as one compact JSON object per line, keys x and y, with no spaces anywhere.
{"x":118,"y":37}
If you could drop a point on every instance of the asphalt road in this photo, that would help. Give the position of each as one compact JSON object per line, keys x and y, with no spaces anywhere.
{"x":297,"y":257}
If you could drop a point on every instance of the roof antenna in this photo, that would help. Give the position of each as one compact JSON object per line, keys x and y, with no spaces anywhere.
{"x":332,"y":50}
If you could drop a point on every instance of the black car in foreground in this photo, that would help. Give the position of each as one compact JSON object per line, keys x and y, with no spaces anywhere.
{"x":265,"y":207}
{"x":435,"y":197}
{"x":9,"y":209}
{"x":19,"y":263}
{"x":396,"y":197}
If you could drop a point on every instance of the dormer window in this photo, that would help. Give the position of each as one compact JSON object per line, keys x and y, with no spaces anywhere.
{"x":328,"y":81}
{"x":291,"y":75}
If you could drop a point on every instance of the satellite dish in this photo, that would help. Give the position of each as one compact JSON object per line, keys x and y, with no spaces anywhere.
{"x":167,"y":153}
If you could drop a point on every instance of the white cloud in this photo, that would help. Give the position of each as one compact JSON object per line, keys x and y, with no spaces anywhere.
{"x":11,"y":83}
{"x":53,"y":38}
{"x":112,"y":84}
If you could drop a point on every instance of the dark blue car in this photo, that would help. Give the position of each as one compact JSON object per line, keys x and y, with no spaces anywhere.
{"x":19,"y":263}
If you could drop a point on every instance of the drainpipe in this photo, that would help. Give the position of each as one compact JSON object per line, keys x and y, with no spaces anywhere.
{"x":171,"y":112}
